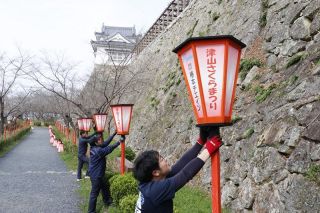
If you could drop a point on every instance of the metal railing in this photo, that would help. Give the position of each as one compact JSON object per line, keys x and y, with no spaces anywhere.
{"x":173,"y":10}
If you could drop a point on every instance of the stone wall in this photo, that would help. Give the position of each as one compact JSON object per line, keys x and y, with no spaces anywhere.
{"x":269,"y":153}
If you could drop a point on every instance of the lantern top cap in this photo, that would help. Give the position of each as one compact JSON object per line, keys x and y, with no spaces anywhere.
{"x":99,"y":114}
{"x":114,"y":105}
{"x":219,"y":37}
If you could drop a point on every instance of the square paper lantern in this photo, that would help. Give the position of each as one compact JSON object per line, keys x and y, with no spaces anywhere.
{"x":100,"y":120}
{"x":210,"y":67}
{"x":86,"y":122}
{"x":122,"y":117}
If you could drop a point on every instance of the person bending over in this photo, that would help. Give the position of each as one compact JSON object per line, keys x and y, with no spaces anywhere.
{"x":82,"y":150}
{"x":158,"y":183}
{"x":97,"y":167}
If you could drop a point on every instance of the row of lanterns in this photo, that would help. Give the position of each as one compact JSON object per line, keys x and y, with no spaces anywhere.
{"x":122,"y":114}
{"x":55,"y":141}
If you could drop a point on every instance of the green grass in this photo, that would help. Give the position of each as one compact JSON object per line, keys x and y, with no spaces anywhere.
{"x":12,"y":141}
{"x":190,"y":199}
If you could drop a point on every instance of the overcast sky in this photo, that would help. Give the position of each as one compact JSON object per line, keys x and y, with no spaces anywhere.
{"x":67,"y":26}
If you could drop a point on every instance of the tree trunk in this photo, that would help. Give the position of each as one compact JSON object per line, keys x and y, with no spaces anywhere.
{"x":2,"y":118}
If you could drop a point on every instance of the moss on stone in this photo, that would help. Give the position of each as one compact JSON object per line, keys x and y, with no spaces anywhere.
{"x":247,"y":64}
{"x":295,"y":59}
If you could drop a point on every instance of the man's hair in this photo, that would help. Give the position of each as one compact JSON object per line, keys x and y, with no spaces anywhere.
{"x":82,"y":132}
{"x":145,"y":164}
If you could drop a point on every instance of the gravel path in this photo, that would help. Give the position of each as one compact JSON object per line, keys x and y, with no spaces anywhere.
{"x":34,"y":179}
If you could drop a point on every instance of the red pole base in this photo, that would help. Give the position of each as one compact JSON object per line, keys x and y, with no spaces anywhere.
{"x":215,"y":183}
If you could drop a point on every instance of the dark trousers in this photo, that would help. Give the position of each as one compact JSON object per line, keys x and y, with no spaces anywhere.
{"x":98,"y":184}
{"x":81,"y":160}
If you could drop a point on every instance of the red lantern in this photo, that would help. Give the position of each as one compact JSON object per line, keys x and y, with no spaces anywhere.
{"x":80,"y":124}
{"x":210,"y":67}
{"x":100,"y":121}
{"x":86,"y":122}
{"x":122,"y":117}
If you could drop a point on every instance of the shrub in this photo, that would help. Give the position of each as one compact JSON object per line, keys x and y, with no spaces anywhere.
{"x":128,"y":203}
{"x":246,"y":65}
{"x":37,"y":123}
{"x":121,"y":186}
{"x":109,"y":174}
{"x":130,"y":155}
{"x":48,"y":124}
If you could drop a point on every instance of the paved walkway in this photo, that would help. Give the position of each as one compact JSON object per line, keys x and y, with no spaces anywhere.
{"x":34,"y":179}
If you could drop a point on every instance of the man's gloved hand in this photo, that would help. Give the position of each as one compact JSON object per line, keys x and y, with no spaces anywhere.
{"x":213,"y":144}
{"x":122,"y":138}
{"x":203,"y":135}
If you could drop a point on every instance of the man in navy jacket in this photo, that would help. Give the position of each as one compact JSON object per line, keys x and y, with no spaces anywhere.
{"x":82,"y":150}
{"x":97,"y":167}
{"x":159,"y":183}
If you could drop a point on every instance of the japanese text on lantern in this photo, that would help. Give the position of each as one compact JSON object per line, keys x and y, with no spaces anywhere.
{"x":194,"y":87}
{"x":212,"y":84}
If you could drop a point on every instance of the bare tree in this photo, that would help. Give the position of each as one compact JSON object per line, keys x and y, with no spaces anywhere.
{"x":58,"y":77}
{"x":106,"y":85}
{"x":11,"y":69}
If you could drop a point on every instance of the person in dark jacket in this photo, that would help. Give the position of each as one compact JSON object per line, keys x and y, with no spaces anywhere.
{"x":158,"y":182}
{"x":82,"y":150}
{"x":97,"y":167}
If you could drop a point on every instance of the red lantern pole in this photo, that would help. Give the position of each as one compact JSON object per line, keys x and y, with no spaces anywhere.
{"x":215,"y":182}
{"x":122,"y":163}
{"x":74,"y":137}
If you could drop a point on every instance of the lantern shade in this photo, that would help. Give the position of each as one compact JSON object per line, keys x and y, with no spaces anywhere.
{"x":86,"y":124}
{"x":100,"y":120}
{"x":80,"y":123}
{"x":210,"y":67}
{"x":122,"y":117}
